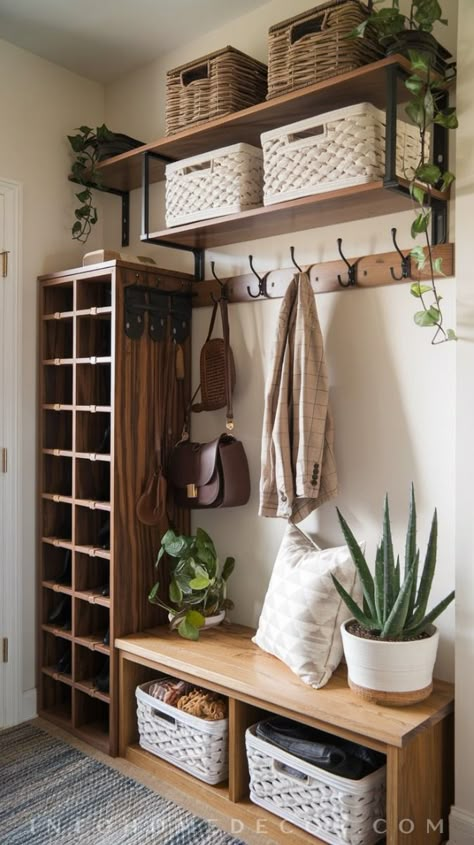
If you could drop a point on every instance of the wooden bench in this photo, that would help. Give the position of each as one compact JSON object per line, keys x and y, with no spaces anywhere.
{"x":417,"y":741}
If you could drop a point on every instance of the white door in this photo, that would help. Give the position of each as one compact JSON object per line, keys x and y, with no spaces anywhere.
{"x":10,"y":349}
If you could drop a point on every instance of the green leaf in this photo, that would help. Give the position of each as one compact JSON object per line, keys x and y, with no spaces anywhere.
{"x":195,"y":618}
{"x":396,"y":620}
{"x":451,"y":334}
{"x":154,"y":591}
{"x":418,"y":255}
{"x":438,"y":266}
{"x":76,"y":142}
{"x":416,"y":112}
{"x":420,"y":224}
{"x":77,"y":227}
{"x":161,"y":552}
{"x":365,"y":621}
{"x":447,"y":180}
{"x":188,"y":631}
{"x":417,"y":289}
{"x":175,"y":592}
{"x":418,"y":61}
{"x":201,"y":582}
{"x":431,"y":616}
{"x":388,"y":563}
{"x":449,"y":121}
{"x":428,"y":173}
{"x":360,"y":564}
{"x":429,"y":106}
{"x":414,"y":84}
{"x":427,"y":318}
{"x":410,"y":540}
{"x":83,"y":196}
{"x":418,"y":194}
{"x":414,"y":587}
{"x":378,"y":585}
{"x":359,"y":30}
{"x":86,"y":130}
{"x":427,"y":574}
{"x":228,"y":568}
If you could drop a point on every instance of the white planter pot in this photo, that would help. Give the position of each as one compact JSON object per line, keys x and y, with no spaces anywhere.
{"x":392,"y":673}
{"x":209,"y":621}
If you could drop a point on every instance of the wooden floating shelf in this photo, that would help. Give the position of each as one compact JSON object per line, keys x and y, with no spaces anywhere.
{"x":313,"y":212}
{"x":366,"y":84}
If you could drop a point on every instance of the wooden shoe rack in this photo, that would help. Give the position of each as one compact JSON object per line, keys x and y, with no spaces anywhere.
{"x":96,"y":447}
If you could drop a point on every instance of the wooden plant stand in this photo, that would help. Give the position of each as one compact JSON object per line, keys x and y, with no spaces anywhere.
{"x":417,"y":741}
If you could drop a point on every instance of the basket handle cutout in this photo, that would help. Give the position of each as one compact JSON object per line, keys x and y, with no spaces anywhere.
{"x":309,"y":27}
{"x":289,"y":772}
{"x":194,"y":168}
{"x":164,"y":716}
{"x":194,"y":74}
{"x":305,"y":134}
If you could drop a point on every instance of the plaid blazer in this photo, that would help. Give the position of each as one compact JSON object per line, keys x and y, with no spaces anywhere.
{"x":298,"y":470}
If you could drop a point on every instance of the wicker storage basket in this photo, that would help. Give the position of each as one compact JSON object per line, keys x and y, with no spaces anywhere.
{"x":338,"y":149}
{"x":214,"y":85}
{"x":223,"y":181}
{"x":338,"y":810}
{"x":198,"y":746}
{"x":314,"y":46}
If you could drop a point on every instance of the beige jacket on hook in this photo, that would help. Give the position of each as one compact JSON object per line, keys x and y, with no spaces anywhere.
{"x":298,"y":467}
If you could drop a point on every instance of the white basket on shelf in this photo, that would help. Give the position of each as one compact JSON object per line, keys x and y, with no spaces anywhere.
{"x":199,"y":746}
{"x":339,"y":149}
{"x":339,"y":810}
{"x":224,"y":181}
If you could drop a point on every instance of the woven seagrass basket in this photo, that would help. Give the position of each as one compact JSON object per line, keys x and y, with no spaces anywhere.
{"x":212,"y":86}
{"x":314,"y":45}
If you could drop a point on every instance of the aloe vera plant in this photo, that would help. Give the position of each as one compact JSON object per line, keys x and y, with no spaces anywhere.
{"x":394,"y":605}
{"x":198,"y":587}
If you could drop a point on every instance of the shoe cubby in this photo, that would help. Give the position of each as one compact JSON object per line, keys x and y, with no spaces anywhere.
{"x":96,"y":388}
{"x":56,"y":700}
{"x":57,"y":520}
{"x":92,"y":672}
{"x":57,"y":475}
{"x":56,"y":611}
{"x":57,"y":384}
{"x":93,"y":293}
{"x":94,"y":336}
{"x":91,"y":716}
{"x":58,"y":299}
{"x":58,"y":339}
{"x":57,"y":430}
{"x":92,"y":433}
{"x":57,"y":657}
{"x":93,"y":384}
{"x":92,"y":626}
{"x":56,"y":567}
{"x":92,"y":481}
{"x":92,"y":528}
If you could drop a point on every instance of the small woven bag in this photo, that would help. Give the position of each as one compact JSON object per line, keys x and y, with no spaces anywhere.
{"x":213,"y":384}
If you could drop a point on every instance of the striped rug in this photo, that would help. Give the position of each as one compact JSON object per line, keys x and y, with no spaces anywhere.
{"x":53,"y":794}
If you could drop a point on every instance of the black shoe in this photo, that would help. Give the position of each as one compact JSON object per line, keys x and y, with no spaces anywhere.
{"x":102,"y":679}
{"x":64,"y":663}
{"x":107,"y":637}
{"x":66,"y":575}
{"x":60,"y":616}
{"x":104,"y":535}
{"x":104,"y":590}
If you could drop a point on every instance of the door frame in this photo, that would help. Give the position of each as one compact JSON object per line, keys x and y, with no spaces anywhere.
{"x":11,"y":354}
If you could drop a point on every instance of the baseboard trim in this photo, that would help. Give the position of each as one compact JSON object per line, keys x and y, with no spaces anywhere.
{"x":461,"y":827}
{"x":28,"y":705}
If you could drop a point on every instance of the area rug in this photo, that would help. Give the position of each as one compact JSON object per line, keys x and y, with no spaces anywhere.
{"x":51,"y":793}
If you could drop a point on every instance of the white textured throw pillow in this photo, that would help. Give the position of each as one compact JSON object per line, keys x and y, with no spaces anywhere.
{"x":302,"y":612}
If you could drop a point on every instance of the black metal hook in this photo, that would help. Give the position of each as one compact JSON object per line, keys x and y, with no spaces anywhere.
{"x":352,"y":269}
{"x":292,"y":253}
{"x":223,"y":285}
{"x":405,"y":261}
{"x":262,"y":282}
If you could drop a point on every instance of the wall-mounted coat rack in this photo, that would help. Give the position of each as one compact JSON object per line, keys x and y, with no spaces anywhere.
{"x":370,"y":271}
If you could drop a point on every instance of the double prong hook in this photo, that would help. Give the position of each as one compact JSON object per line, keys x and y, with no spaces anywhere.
{"x":223,"y":285}
{"x":352,"y":269}
{"x":262,"y":283}
{"x":405,"y":261}
{"x":292,"y":254}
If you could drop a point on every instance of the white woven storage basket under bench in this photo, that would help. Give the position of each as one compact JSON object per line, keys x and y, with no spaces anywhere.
{"x":339,"y":149}
{"x":199,"y":746}
{"x":224,"y":181}
{"x":339,"y":810}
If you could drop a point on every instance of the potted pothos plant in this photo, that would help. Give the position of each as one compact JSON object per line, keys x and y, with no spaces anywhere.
{"x":390,"y":644}
{"x":198,"y":584}
{"x":91,"y":147}
{"x":427,"y":83}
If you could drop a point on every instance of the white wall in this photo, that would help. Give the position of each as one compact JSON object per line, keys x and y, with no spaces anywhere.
{"x":40,"y":104}
{"x":393,"y":394}
{"x":462,"y":817}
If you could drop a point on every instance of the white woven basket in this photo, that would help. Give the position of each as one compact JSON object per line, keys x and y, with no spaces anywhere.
{"x":213,"y":184}
{"x":338,"y":149}
{"x":199,"y":746}
{"x":338,"y":810}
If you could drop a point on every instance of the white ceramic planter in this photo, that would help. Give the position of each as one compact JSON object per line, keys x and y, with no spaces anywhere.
{"x":393,"y":673}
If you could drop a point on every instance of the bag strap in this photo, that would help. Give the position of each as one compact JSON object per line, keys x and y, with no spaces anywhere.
{"x":227,"y":363}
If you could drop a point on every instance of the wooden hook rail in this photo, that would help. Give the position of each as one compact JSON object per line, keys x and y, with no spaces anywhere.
{"x":372,"y":271}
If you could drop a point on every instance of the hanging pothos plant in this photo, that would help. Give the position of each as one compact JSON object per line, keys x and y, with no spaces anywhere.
{"x":427,"y":88}
{"x":86,"y":145}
